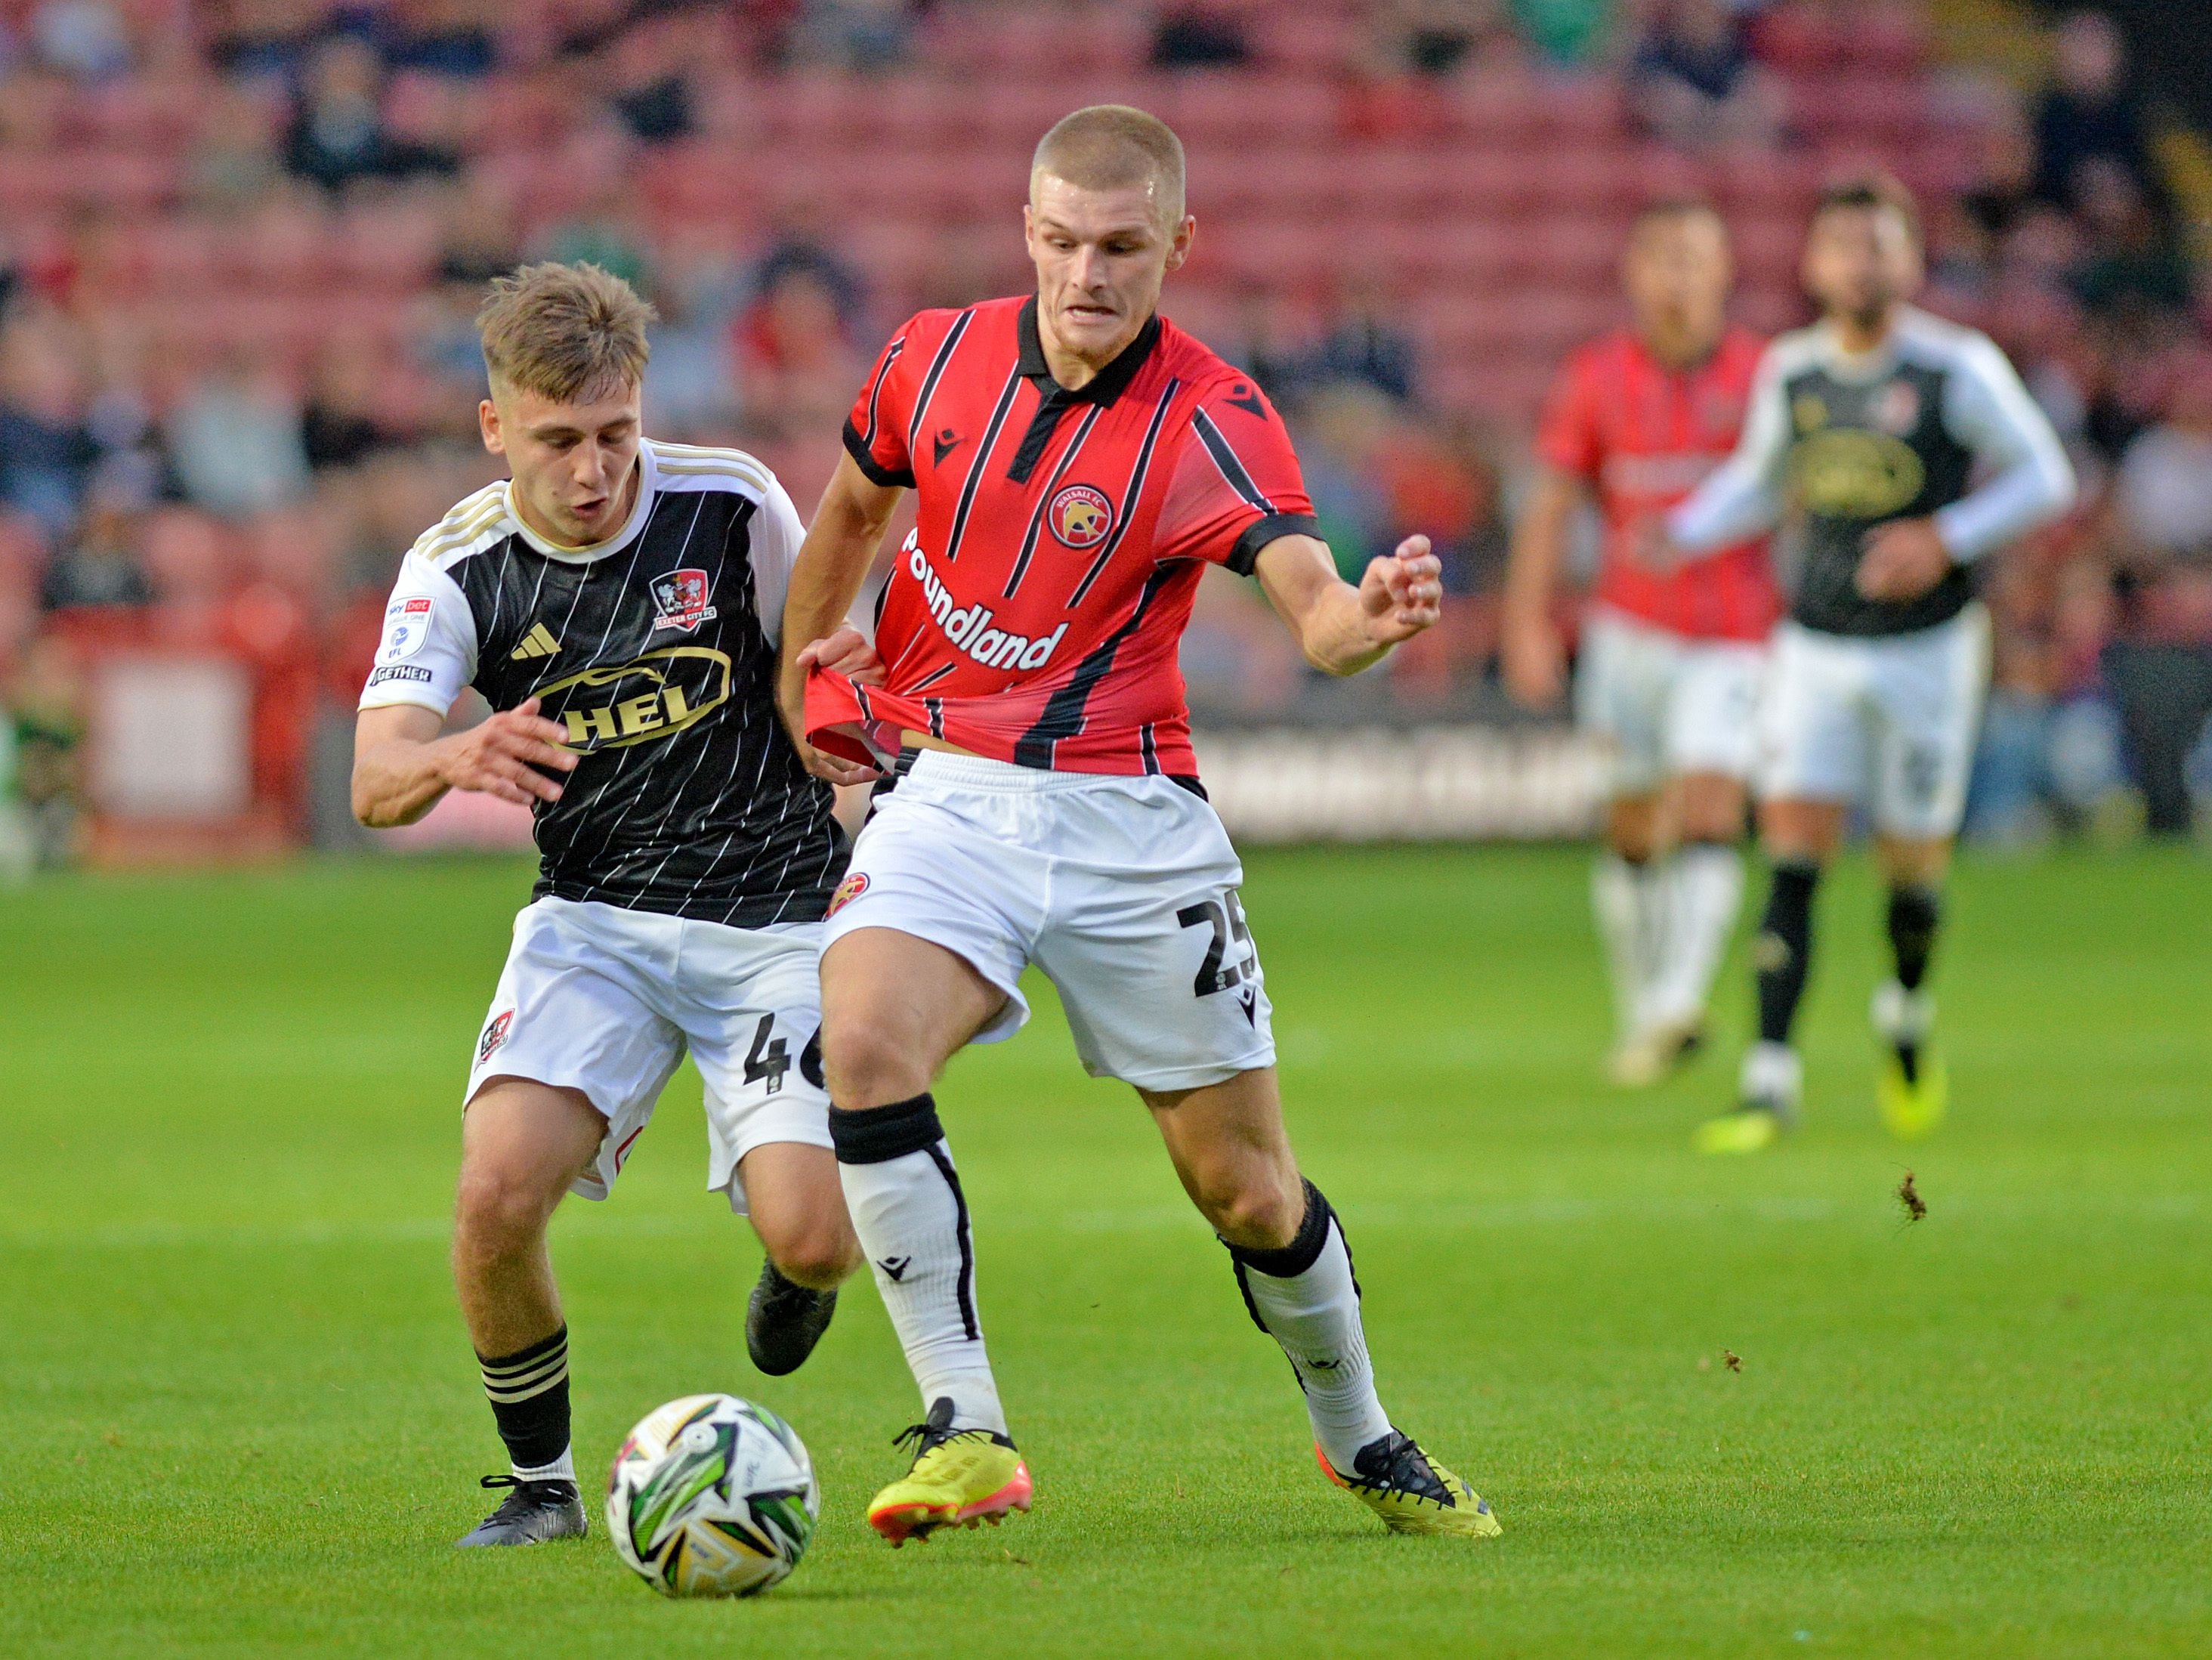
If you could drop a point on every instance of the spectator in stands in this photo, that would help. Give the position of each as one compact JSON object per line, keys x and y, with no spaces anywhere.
{"x":795,"y":367}
{"x":1572,"y":33}
{"x":2162,"y":668}
{"x":652,"y":66}
{"x":1363,"y":342}
{"x":46,"y":700}
{"x":1201,"y":34}
{"x":1695,"y":82}
{"x":868,"y":36}
{"x":99,"y":568}
{"x":441,"y":37}
{"x":84,"y":39}
{"x":234,"y":159}
{"x":46,"y":454}
{"x":2133,"y":261}
{"x":1445,"y":37}
{"x":237,"y":441}
{"x":800,"y":243}
{"x":343,"y":424}
{"x":2090,"y":114}
{"x":338,"y":132}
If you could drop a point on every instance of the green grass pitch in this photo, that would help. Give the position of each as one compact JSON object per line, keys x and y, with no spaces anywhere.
{"x":239,"y":1417}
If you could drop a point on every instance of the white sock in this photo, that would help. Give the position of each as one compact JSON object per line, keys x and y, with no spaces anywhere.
{"x":562,"y":1468}
{"x":1629,"y":900}
{"x":1705,"y":880}
{"x":1313,"y":1312}
{"x":912,"y":1219}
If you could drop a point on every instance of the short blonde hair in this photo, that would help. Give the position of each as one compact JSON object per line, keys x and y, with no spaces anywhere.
{"x":1110,"y":146}
{"x":565,"y":332}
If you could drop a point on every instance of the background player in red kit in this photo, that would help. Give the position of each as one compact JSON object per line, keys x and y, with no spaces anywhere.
{"x":1673,"y":656}
{"x":1079,"y":462}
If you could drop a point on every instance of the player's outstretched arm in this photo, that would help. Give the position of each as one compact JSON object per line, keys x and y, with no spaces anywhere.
{"x":1534,"y":658}
{"x":1342,"y":629}
{"x":825,"y":579}
{"x":401,"y":766}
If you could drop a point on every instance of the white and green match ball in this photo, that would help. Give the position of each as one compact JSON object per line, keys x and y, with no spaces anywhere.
{"x":712,"y":1496}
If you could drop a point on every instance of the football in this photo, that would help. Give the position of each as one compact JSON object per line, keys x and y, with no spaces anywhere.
{"x":712,"y":1496}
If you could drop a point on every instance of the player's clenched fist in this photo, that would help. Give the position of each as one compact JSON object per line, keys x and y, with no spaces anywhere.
{"x":1403,"y":592}
{"x":502,"y":757}
{"x":845,"y":652}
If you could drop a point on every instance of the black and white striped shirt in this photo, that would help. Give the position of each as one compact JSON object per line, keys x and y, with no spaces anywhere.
{"x":656,"y":649}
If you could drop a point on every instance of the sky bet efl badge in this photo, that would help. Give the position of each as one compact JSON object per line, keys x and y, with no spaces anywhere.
{"x":406,"y":626}
{"x":680,"y":596}
{"x":1080,"y":516}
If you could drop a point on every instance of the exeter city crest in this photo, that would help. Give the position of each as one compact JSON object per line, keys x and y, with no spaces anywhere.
{"x":1080,"y":516}
{"x":680,"y":597}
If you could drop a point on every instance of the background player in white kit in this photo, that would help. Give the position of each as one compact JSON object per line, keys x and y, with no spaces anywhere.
{"x":618,"y":603}
{"x":1874,"y":423}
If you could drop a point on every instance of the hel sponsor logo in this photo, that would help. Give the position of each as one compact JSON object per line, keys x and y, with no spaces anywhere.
{"x":414,"y":672}
{"x":494,"y":1035}
{"x":1080,"y":516}
{"x":969,"y":626}
{"x":854,"y":884}
{"x":406,"y":626}
{"x":680,"y":596}
{"x":1847,"y":472}
{"x":661,"y":693}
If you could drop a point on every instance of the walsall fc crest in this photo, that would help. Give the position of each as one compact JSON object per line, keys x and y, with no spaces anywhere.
{"x":854,"y":884}
{"x":1080,"y":515}
{"x":680,"y":597}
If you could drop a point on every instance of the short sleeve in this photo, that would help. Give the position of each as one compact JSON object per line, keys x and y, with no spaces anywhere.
{"x":776,"y":534}
{"x":428,"y":652}
{"x":875,"y":431}
{"x":1236,"y":485}
{"x":1567,"y":437}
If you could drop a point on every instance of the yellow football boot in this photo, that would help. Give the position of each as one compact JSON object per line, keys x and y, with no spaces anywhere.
{"x":1912,"y":1108}
{"x":959,"y":1478}
{"x":1751,"y":1128}
{"x":1767,"y":1092}
{"x":1410,"y":1492}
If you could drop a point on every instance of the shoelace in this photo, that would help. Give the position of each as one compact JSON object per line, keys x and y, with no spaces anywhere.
{"x":1404,"y":1468}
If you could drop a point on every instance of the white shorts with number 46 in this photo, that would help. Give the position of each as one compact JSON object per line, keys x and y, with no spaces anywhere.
{"x":606,"y":1000}
{"x":1887,"y":720}
{"x":1669,"y":704}
{"x":1123,"y":889}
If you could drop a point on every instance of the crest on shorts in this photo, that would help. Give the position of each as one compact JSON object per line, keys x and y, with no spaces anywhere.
{"x":494,"y":1035}
{"x":680,"y":597}
{"x":854,"y":884}
{"x":1080,"y":515}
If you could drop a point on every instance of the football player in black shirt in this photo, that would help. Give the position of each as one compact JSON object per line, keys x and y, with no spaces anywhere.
{"x":618,"y":603}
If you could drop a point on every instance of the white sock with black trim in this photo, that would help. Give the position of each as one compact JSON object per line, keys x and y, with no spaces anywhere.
{"x":911,"y":1218}
{"x":1305,"y":1297}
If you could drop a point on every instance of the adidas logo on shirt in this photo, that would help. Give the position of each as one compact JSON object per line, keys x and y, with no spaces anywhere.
{"x":538,"y":642}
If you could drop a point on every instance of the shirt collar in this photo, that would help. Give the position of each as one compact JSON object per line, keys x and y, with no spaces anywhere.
{"x":641,"y":510}
{"x":1104,"y":388}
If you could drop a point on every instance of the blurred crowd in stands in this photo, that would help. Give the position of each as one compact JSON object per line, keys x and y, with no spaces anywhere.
{"x":242,"y":241}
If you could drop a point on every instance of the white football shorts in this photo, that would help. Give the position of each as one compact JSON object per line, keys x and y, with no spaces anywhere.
{"x":1668,"y":704}
{"x":1889,"y":720}
{"x":605,"y":999}
{"x":1123,"y":889}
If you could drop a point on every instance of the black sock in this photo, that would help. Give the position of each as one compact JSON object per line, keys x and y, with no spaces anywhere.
{"x":1915,"y":911}
{"x":1783,"y":949}
{"x":529,"y":1395}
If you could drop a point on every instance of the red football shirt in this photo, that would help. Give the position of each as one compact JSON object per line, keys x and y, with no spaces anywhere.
{"x":1643,"y":435}
{"x":1034,"y":615}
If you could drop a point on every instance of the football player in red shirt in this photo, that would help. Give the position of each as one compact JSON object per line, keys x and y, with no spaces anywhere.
{"x":1079,"y":460}
{"x":1671,"y":656}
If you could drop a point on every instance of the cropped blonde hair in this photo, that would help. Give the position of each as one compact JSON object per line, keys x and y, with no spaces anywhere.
{"x":565,"y":332}
{"x":1110,"y":146}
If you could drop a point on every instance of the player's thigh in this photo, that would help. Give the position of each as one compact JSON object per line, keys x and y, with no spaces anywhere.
{"x":1713,"y":712}
{"x":1147,"y":941}
{"x":1812,"y":724}
{"x":1927,"y":690}
{"x":925,"y":944}
{"x":575,"y":1010}
{"x":522,"y":1144}
{"x":1620,"y":695}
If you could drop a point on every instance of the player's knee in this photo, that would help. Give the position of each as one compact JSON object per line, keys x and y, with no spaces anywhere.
{"x":497,"y":1214}
{"x":867,"y":1064}
{"x":1255,"y":1208}
{"x":821,"y":1256}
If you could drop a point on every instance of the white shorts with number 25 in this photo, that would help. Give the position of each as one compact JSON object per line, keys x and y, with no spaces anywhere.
{"x":1123,"y":889}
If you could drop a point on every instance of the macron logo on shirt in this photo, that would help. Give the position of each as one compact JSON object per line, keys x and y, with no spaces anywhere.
{"x":969,"y":626}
